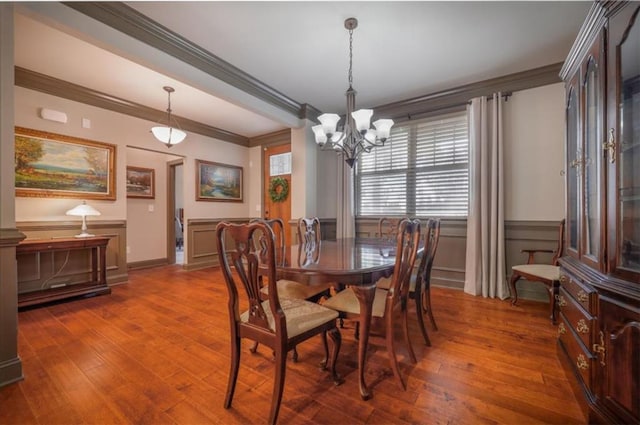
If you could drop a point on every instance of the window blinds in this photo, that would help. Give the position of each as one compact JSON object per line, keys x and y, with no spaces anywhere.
{"x":421,"y":171}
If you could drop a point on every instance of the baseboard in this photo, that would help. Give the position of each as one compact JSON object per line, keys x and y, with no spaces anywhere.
{"x":11,"y":371}
{"x":147,"y":264}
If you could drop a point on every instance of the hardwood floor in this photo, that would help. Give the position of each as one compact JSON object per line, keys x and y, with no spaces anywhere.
{"x":156,"y":351}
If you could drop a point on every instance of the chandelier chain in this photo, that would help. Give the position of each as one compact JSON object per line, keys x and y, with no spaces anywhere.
{"x":350,"y":57}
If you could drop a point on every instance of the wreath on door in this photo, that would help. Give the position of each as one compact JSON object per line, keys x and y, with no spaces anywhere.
{"x":278,"y":195}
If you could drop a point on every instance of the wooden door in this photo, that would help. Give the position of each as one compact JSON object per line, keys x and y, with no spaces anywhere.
{"x":277,"y":163}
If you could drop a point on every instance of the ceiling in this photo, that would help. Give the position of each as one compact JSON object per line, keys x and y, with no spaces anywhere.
{"x":401,"y":50}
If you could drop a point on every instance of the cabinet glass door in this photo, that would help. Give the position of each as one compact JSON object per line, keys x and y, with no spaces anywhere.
{"x":629,"y":145}
{"x":574,"y":159}
{"x":592,"y":163}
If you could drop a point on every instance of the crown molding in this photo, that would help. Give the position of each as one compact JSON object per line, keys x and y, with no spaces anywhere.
{"x":458,"y":96}
{"x":129,"y":21}
{"x":275,"y":138}
{"x":60,"y":88}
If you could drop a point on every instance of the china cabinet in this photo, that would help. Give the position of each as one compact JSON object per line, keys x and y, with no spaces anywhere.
{"x":599,"y":297}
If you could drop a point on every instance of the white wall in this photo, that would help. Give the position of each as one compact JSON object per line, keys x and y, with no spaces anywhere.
{"x":122,"y":131}
{"x":534,"y":154}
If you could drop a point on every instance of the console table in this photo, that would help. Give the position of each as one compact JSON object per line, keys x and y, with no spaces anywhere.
{"x":97,"y":285}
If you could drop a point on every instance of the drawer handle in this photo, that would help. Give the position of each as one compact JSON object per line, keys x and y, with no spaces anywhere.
{"x":582,"y":327}
{"x":561,"y":329}
{"x":563,"y":279}
{"x":582,"y":296}
{"x":561,"y":301}
{"x":582,"y":363}
{"x":600,"y":349}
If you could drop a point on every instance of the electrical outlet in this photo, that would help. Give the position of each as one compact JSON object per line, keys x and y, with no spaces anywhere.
{"x":151,"y":208}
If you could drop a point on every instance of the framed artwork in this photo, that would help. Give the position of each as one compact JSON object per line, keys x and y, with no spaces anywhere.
{"x":141,"y":182}
{"x":49,"y":165}
{"x":218,"y":182}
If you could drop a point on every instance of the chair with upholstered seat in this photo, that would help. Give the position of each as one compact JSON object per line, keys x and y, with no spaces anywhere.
{"x":387,"y":303}
{"x":276,"y":322}
{"x":549,"y":274}
{"x":288,"y":288}
{"x":420,"y":283}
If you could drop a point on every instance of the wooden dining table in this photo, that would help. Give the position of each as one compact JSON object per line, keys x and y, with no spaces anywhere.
{"x":358,"y":263}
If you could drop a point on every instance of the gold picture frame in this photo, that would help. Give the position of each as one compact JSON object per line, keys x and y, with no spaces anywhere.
{"x":141,"y":182}
{"x":218,"y":182}
{"x":50,"y":165}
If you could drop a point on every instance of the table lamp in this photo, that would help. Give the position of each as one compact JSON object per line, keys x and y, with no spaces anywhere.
{"x":83,"y":210}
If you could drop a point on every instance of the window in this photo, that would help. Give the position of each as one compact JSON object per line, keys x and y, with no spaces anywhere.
{"x":421,"y":171}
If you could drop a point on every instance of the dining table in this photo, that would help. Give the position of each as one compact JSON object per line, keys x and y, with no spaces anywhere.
{"x":356,"y":262}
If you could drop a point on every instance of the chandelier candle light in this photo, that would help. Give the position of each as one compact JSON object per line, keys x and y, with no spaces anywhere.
{"x":169,"y":135}
{"x":83,"y":210}
{"x":356,"y":136}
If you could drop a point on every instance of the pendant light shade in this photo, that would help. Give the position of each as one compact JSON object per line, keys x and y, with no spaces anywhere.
{"x":169,"y":134}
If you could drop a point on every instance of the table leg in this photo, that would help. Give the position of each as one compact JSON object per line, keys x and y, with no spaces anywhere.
{"x":365,"y":295}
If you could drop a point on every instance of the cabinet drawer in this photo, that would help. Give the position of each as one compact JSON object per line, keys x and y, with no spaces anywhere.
{"x":579,"y":357}
{"x":583,"y":294}
{"x":581,"y":321}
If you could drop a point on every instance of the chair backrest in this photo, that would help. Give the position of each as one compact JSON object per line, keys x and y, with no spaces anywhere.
{"x":388,"y":228}
{"x":277,"y":226}
{"x":244,"y":266}
{"x":431,"y":238}
{"x":408,"y":241}
{"x":309,"y":230}
{"x":560,"y":249}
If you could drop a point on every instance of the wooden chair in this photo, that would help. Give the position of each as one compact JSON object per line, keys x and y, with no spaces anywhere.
{"x":386,"y":303}
{"x":420,"y":283}
{"x":388,"y":228}
{"x":309,"y":230}
{"x":278,"y":323}
{"x":287,"y":288}
{"x":549,"y":274}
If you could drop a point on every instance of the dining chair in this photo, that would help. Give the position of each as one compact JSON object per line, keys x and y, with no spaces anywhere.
{"x":388,"y":228}
{"x":279,"y":323}
{"x":309,"y":230}
{"x":420,"y":283}
{"x":549,"y":274}
{"x":287,"y":288}
{"x":387,"y":303}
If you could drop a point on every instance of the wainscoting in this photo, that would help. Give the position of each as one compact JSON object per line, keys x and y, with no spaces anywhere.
{"x":36,"y":271}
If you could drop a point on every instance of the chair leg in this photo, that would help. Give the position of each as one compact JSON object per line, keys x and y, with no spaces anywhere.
{"x":278,"y":384}
{"x":233,"y":370}
{"x":407,"y":340}
{"x":391,"y":350}
{"x":426,"y":304}
{"x":294,"y":355}
{"x":512,"y":283}
{"x":419,"y":312}
{"x":325,"y":361}
{"x":336,"y":338}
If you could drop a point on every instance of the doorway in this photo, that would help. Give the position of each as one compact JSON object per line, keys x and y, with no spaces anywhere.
{"x":175,"y":213}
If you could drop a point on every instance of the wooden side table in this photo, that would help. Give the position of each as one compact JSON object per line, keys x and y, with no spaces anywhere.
{"x":97,"y":285}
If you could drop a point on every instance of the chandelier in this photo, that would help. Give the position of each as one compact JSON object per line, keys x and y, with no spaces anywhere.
{"x":171,"y":134}
{"x":356,"y":135}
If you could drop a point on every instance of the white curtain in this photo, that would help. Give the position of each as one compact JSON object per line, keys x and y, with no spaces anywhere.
{"x":346,"y":221}
{"x":485,"y":260}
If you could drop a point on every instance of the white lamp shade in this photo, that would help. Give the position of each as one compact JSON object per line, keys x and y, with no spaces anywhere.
{"x":329,"y":123}
{"x":321,"y":137}
{"x":83,"y":210}
{"x":337,"y":137}
{"x":383,"y":128}
{"x":362,"y":117}
{"x":168,"y":135}
{"x":370,"y":136}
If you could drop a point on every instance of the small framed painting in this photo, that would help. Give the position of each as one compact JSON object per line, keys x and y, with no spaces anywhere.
{"x":141,"y":182}
{"x":49,"y":165}
{"x":218,"y":182}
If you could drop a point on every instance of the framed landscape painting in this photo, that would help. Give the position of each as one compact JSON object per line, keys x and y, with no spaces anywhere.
{"x":51,"y":165}
{"x":218,"y":182}
{"x":141,"y":182}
